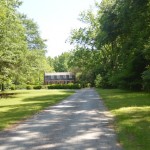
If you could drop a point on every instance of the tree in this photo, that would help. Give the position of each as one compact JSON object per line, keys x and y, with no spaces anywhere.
{"x":34,"y":63}
{"x":116,"y":40}
{"x":83,"y":60}
{"x":32,"y":34}
{"x":119,"y":23}
{"x":61,"y":62}
{"x":12,"y":39}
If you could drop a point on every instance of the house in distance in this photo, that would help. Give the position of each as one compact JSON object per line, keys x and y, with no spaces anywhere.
{"x":59,"y":78}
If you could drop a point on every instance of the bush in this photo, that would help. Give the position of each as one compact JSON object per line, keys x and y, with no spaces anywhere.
{"x":28,"y":87}
{"x":88,"y":85}
{"x":12,"y":87}
{"x":44,"y":87}
{"x":146,"y":80}
{"x":98,"y":81}
{"x":37,"y":87}
{"x":64,"y":86}
{"x":21,"y":86}
{"x":77,"y":86}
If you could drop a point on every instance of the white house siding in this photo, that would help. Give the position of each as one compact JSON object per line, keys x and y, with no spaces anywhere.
{"x":59,"y":78}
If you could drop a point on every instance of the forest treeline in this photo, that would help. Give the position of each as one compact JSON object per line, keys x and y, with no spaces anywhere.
{"x":112,"y":50}
{"x":22,"y":50}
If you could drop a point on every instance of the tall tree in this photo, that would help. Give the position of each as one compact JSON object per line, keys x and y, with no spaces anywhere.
{"x":61,"y":62}
{"x":120,"y":35}
{"x":32,"y":34}
{"x":35,"y":60}
{"x":12,"y":39}
{"x":83,"y":60}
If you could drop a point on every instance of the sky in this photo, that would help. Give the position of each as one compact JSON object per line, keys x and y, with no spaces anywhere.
{"x":56,"y":18}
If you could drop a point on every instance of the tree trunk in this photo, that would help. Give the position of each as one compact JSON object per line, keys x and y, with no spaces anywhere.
{"x":2,"y":87}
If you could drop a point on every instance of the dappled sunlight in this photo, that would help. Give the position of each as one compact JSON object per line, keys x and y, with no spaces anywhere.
{"x":133,"y":109}
{"x":63,"y":106}
{"x":77,"y":123}
{"x":27,"y":103}
{"x":85,"y":136}
{"x":137,"y":114}
{"x":132,"y":116}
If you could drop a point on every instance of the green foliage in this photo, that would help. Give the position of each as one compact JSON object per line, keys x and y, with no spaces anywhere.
{"x":20,"y":86}
{"x":146,"y":79}
{"x":60,"y":63}
{"x":131,"y":111}
{"x":20,"y":44}
{"x":119,"y":25}
{"x":33,"y":38}
{"x":98,"y":81}
{"x":12,"y":43}
{"x":84,"y":60}
{"x":29,"y":87}
{"x":114,"y":43}
{"x":12,"y":87}
{"x":64,"y":86}
{"x":88,"y":85}
{"x":37,"y":87}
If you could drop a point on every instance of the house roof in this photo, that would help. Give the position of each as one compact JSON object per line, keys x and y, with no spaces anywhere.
{"x":59,"y":73}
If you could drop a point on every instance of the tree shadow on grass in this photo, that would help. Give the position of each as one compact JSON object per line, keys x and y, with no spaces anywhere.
{"x":21,"y":111}
{"x":133,"y":129}
{"x":4,"y":95}
{"x":65,"y":126}
{"x":132,"y":115}
{"x":119,"y":100}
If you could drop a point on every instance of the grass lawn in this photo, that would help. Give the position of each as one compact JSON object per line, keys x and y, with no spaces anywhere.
{"x":24,"y":103}
{"x":132,"y":117}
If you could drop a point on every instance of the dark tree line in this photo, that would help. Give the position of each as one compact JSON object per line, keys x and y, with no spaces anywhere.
{"x":113,"y":50}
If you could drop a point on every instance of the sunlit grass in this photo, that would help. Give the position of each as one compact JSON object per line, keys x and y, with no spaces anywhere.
{"x":25,"y":103}
{"x":132,"y":117}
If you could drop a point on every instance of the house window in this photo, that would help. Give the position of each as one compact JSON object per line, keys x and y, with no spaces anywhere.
{"x":46,"y":78}
{"x":70,"y":76}
{"x":58,"y":76}
{"x":64,"y":76}
{"x":52,"y":77}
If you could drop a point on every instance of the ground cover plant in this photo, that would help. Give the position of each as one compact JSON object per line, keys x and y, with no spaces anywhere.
{"x":24,"y":103}
{"x":132,"y":117}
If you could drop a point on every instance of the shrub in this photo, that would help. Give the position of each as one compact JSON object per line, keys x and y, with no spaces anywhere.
{"x":21,"y":86}
{"x":44,"y":87}
{"x":12,"y":87}
{"x":88,"y":85}
{"x":37,"y":87}
{"x":146,"y":80}
{"x":98,"y":81}
{"x":28,"y":87}
{"x":64,"y":86}
{"x":102,"y":82}
{"x":77,"y":86}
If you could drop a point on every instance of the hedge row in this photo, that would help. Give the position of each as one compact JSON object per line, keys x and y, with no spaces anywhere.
{"x":64,"y":86}
{"x":28,"y":87}
{"x":51,"y":86}
{"x":36,"y":87}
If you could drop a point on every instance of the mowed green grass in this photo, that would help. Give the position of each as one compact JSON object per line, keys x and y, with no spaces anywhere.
{"x":25,"y":103}
{"x":132,"y":117}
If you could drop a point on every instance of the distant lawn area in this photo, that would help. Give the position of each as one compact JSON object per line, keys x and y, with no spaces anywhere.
{"x":19,"y":105}
{"x":132,"y":117}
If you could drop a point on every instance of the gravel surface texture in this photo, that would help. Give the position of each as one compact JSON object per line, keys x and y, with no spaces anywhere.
{"x":80,"y":122}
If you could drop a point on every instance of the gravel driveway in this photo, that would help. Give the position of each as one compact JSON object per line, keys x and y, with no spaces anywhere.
{"x":80,"y":122}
